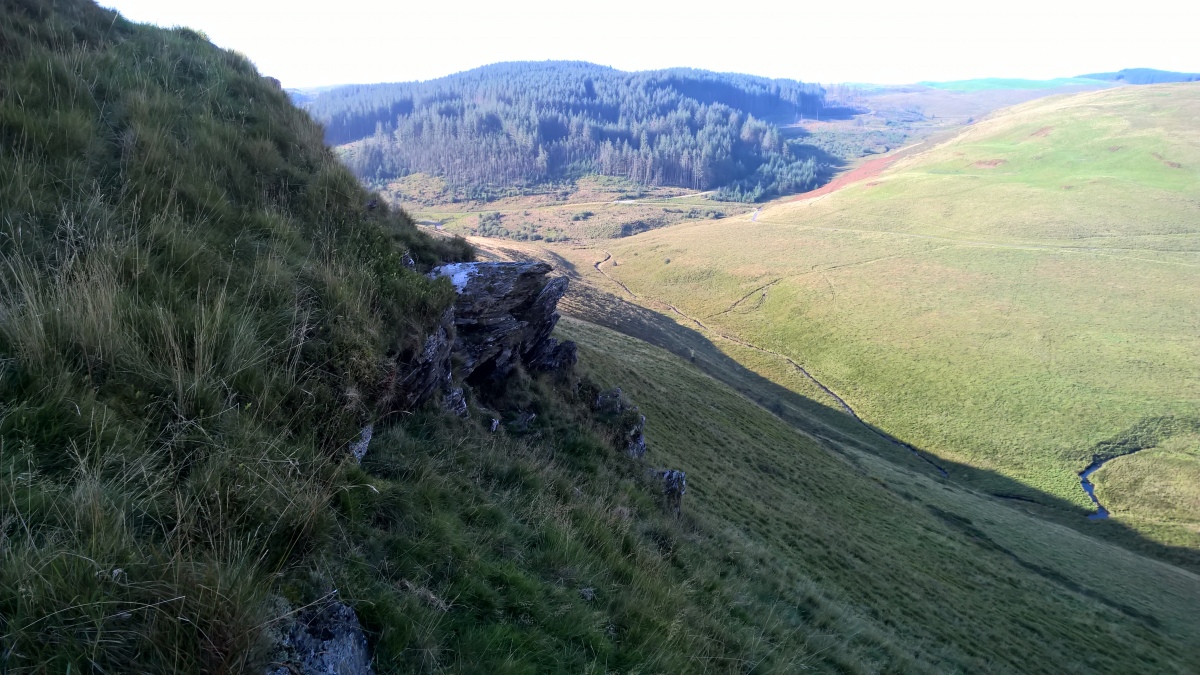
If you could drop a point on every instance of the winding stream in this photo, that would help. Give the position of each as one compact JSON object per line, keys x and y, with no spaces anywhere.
{"x":1088,"y":487}
{"x":1101,"y":512}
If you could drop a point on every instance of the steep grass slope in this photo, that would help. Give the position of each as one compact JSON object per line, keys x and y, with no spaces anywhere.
{"x":1016,"y":300}
{"x":952,"y":581}
{"x":199,"y":310}
{"x":196,"y":303}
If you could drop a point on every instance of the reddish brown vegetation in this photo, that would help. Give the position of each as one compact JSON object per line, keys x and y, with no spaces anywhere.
{"x":868,"y":169}
{"x":990,"y":163}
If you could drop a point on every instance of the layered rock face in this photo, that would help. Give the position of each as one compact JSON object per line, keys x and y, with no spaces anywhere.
{"x":503,"y":316}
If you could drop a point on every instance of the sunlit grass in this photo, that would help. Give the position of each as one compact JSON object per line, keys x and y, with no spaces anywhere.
{"x":1008,"y":299}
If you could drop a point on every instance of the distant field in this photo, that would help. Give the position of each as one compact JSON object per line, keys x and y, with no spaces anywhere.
{"x":990,"y":83}
{"x":593,"y":207}
{"x":1007,"y":301}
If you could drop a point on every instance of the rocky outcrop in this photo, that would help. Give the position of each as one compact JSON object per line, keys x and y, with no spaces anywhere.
{"x":323,"y":640}
{"x":504,"y":315}
{"x":415,"y":382}
{"x":553,"y":355}
{"x":635,"y":439}
{"x":455,"y":402}
{"x":612,"y":406}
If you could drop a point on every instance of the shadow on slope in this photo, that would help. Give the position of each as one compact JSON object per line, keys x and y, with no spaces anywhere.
{"x":965,"y":583}
{"x":820,"y":417}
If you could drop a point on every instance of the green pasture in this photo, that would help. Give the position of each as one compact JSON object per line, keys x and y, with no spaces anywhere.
{"x":1007,"y":301}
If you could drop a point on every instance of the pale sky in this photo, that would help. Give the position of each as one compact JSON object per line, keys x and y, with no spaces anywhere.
{"x":307,"y":44}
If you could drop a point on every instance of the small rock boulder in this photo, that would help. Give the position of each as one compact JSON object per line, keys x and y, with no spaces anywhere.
{"x":674,"y":486}
{"x":611,"y":402}
{"x":323,"y":640}
{"x":635,"y":439}
{"x":613,"y":408}
{"x":359,"y":447}
{"x":455,"y":402}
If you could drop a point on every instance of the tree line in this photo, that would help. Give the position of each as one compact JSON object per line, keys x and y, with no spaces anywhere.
{"x":523,"y":124}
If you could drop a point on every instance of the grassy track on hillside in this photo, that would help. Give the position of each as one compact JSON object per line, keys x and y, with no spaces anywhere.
{"x":1007,"y":300}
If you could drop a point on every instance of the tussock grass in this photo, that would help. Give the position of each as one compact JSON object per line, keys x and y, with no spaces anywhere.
{"x":195,"y":306}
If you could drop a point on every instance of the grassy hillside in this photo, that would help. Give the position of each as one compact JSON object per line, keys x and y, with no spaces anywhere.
{"x":1010,"y":300}
{"x":931,"y":576}
{"x":199,"y":310}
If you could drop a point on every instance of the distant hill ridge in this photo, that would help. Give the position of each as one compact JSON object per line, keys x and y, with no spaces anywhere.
{"x":522,"y":123}
{"x":1144,"y":76}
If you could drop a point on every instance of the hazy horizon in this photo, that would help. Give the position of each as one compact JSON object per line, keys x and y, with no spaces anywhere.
{"x":367,"y":41}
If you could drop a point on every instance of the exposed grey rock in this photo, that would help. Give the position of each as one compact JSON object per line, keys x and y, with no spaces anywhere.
{"x":674,"y":484}
{"x":610,"y":402}
{"x":359,"y":448}
{"x":588,"y":594}
{"x":407,"y":261}
{"x":631,"y":424}
{"x":455,"y":402}
{"x":543,"y":316}
{"x":635,"y":439}
{"x":417,"y":380}
{"x":323,"y":640}
{"x":504,"y":315}
{"x":495,"y":425}
{"x":553,"y":355}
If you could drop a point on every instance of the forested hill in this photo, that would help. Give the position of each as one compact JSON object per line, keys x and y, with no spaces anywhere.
{"x":519,"y":124}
